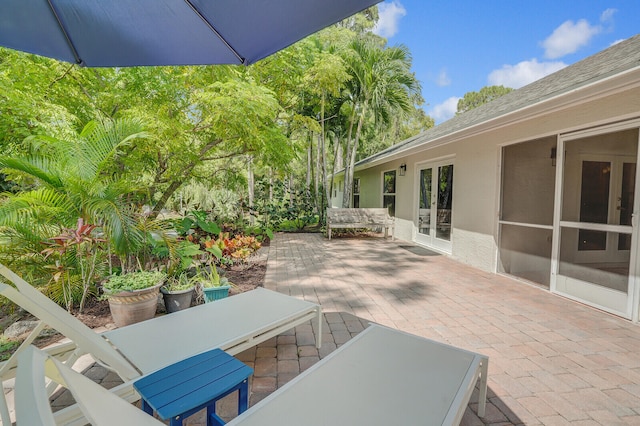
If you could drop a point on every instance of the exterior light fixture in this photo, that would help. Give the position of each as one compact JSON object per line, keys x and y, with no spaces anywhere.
{"x":553,"y":156}
{"x":403,"y":169}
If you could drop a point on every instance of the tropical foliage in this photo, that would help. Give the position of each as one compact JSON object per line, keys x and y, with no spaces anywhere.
{"x":116,"y":170}
{"x":472,"y":100}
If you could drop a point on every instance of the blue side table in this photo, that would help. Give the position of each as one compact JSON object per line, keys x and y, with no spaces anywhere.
{"x":186,"y":387}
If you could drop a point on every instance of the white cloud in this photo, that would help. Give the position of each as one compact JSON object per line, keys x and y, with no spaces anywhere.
{"x":607,"y":16}
{"x":445,"y":110}
{"x":569,"y":37}
{"x":389,"y":18}
{"x":523,"y":73}
{"x":443,"y":79}
{"x":620,"y":40}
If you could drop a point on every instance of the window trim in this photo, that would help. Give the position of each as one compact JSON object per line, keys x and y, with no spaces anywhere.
{"x":390,"y":194}
{"x":354,"y":193}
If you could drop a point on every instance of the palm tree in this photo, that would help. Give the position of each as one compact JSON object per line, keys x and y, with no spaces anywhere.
{"x":326,"y":79}
{"x":381,"y":85}
{"x":66,"y":181}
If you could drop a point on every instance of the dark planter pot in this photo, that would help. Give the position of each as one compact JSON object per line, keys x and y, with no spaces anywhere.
{"x":175,"y":301}
{"x":211,"y":294}
{"x":130,"y":307}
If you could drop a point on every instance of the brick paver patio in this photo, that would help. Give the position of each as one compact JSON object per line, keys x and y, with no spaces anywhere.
{"x":552,"y":361}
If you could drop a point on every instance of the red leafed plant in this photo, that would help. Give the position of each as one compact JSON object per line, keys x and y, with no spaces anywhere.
{"x":76,"y":252}
{"x":228,"y":249}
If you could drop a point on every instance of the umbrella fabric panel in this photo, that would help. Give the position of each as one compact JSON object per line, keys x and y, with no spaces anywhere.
{"x":25,"y":25}
{"x":279,"y":23}
{"x":165,"y":32}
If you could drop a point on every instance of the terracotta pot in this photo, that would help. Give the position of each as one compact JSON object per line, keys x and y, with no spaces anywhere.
{"x":130,"y":307}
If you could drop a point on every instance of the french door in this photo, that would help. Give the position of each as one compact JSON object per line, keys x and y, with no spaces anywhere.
{"x":435,"y":205}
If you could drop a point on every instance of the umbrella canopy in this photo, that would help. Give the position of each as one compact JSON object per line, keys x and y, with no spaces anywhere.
{"x":108,"y":33}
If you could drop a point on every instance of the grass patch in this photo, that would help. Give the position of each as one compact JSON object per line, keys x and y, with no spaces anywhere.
{"x":7,"y":347}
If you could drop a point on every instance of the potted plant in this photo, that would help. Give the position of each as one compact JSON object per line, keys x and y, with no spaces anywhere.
{"x":133,"y":297}
{"x":177,"y":292}
{"x":214,"y":287}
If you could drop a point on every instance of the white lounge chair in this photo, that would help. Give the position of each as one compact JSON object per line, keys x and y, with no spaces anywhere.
{"x":233,"y":324}
{"x":380,"y":377}
{"x":100,"y":407}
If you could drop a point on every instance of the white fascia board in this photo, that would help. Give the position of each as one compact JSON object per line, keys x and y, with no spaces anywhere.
{"x":617,"y":83}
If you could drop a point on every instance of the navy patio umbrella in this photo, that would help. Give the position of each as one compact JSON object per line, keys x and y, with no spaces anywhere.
{"x":122,"y":33}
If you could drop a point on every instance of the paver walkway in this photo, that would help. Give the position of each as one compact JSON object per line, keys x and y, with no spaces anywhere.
{"x":552,"y":361}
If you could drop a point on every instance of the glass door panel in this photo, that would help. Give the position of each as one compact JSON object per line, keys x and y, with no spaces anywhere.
{"x":424,"y":207}
{"x":435,"y":200}
{"x":445,"y":196}
{"x":625,"y":205}
{"x":594,"y":203}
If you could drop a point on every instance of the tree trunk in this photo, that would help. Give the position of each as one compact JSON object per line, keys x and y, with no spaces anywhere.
{"x":173,"y":187}
{"x":291,"y":195}
{"x":326,"y":194}
{"x":177,"y":183}
{"x":352,"y":155}
{"x":250,"y":188}
{"x":309,"y":160}
{"x":348,"y":172}
{"x":320,"y":174}
{"x":270,"y":184}
{"x":337,"y":160}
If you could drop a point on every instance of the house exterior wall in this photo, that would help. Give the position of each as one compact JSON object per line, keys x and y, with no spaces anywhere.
{"x":476,"y":188}
{"x":338,"y":191}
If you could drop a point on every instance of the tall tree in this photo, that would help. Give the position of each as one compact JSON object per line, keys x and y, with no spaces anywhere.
{"x":381,"y":84}
{"x":472,"y":100}
{"x":326,"y":78}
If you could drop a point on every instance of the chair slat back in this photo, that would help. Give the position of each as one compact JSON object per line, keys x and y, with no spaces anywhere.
{"x":100,"y":407}
{"x":30,"y":299}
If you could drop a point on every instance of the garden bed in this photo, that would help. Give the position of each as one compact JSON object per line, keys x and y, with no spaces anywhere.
{"x":96,"y":313}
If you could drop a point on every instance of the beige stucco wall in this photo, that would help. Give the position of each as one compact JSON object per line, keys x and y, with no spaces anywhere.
{"x":477,"y":171}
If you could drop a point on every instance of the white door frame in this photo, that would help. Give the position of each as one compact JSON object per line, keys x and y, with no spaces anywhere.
{"x":431,"y":240}
{"x":613,"y":301}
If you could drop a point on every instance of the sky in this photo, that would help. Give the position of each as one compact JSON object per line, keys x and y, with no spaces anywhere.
{"x":459,"y":46}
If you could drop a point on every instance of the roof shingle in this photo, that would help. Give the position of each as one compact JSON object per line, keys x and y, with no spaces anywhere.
{"x":614,"y":60}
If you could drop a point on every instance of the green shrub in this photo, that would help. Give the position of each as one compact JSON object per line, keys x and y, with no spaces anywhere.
{"x":133,"y":281}
{"x":7,"y":347}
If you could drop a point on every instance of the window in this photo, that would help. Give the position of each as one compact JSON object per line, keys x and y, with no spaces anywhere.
{"x":356,"y":192}
{"x":389,"y":191}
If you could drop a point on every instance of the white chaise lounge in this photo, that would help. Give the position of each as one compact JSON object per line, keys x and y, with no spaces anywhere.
{"x":233,"y":324}
{"x":99,"y":406}
{"x":380,"y":377}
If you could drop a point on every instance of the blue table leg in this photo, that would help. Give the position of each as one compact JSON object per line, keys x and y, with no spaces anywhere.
{"x":243,"y":396}
{"x":212,"y":418}
{"x":146,"y":407}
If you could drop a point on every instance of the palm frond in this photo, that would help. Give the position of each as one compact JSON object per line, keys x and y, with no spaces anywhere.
{"x":101,"y":140}
{"x":37,"y":206}
{"x":119,"y":223}
{"x":40,"y":168}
